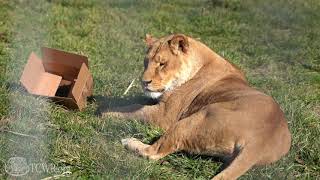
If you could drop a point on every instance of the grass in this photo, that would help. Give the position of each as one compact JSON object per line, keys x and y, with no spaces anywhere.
{"x":275,"y":42}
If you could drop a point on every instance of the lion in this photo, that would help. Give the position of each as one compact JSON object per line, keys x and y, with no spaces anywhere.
{"x":205,"y":106}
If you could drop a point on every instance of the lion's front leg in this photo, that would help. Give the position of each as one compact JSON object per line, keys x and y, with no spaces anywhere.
{"x":135,"y":111}
{"x":124,"y":111}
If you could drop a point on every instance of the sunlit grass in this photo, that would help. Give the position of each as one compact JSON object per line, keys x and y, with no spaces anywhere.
{"x":275,"y":42}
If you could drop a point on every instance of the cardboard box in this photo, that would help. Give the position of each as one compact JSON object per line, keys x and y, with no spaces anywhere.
{"x":63,"y":77}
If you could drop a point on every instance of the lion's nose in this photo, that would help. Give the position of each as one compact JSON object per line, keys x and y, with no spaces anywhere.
{"x":145,"y":83}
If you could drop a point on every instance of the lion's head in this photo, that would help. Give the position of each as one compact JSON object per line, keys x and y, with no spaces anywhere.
{"x":168,"y":64}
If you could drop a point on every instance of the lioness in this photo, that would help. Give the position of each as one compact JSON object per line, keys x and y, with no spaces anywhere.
{"x":205,"y":106}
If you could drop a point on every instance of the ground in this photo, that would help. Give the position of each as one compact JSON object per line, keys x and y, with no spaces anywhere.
{"x":275,"y":42}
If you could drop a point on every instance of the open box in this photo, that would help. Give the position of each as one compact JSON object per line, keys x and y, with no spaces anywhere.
{"x":63,"y":77}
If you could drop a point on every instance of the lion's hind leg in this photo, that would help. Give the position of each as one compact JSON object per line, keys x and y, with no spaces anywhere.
{"x":245,"y":159}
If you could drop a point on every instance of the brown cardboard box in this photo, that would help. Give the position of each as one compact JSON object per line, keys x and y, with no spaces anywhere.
{"x":63,"y":77}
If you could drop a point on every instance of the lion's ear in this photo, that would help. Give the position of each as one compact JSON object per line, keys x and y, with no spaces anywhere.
{"x":179,"y":43}
{"x":149,"y":40}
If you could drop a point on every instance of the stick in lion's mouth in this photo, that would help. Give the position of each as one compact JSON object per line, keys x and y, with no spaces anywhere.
{"x":206,"y":107}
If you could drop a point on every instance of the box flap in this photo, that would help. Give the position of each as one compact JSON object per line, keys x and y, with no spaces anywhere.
{"x":31,"y":72}
{"x":36,"y":80}
{"x":80,"y":90}
{"x":47,"y":85}
{"x":62,"y":63}
{"x":62,"y":57}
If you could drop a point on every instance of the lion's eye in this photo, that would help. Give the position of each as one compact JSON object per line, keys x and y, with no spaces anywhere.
{"x":162,"y":64}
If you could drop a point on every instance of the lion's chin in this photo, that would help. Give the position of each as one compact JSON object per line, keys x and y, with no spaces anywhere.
{"x":153,"y":95}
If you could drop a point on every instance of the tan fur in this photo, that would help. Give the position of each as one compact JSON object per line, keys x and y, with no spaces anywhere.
{"x":206,"y":107}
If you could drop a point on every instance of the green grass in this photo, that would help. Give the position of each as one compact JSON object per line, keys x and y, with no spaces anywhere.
{"x":275,"y":42}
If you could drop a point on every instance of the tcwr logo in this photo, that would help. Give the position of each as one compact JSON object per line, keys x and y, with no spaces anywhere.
{"x":17,"y":166}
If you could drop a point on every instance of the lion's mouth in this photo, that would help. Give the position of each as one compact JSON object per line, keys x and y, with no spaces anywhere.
{"x":154,"y":91}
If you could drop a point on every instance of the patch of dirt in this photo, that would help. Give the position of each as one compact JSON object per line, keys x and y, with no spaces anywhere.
{"x":316,"y":109}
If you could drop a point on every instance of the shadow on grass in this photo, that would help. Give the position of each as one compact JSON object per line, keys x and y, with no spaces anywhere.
{"x":222,"y":162}
{"x":106,"y":103}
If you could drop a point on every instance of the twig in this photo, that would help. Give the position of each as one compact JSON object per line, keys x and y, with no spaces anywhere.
{"x":129,"y":87}
{"x":19,"y":134}
{"x":67,"y":173}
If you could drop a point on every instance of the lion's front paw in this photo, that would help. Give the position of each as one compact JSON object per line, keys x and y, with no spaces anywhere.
{"x":140,"y":148}
{"x":134,"y":145}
